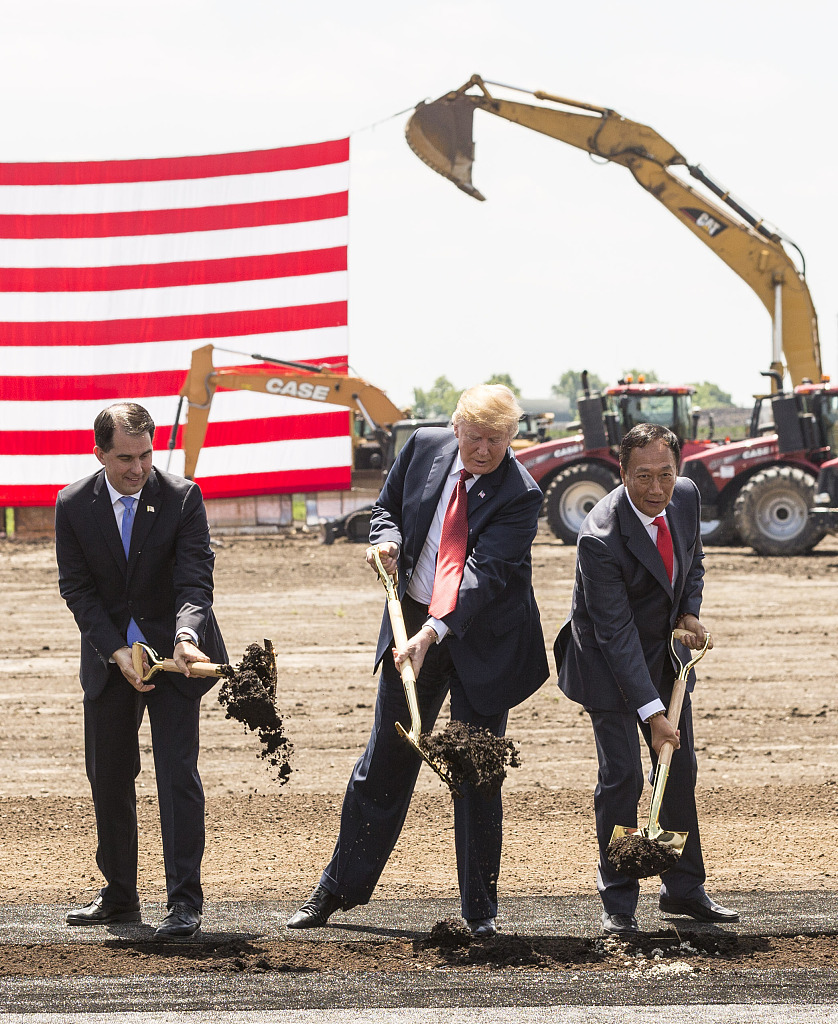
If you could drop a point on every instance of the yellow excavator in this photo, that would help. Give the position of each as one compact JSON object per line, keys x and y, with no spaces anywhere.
{"x":440,"y":133}
{"x":376,"y":416}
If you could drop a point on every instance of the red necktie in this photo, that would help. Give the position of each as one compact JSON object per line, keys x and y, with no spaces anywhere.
{"x":451,"y":557}
{"x":665,"y":545}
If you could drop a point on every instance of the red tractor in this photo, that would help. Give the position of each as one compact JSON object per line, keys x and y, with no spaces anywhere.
{"x":763,"y":488}
{"x":575,"y":472}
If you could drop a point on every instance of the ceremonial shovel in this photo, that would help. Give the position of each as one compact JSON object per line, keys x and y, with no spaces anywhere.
{"x":158,"y":664}
{"x":409,"y":679}
{"x":653,"y":842}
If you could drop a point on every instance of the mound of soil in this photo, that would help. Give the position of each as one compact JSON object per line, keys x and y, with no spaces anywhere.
{"x":472,"y":756}
{"x":248,"y":694}
{"x":639,"y":857}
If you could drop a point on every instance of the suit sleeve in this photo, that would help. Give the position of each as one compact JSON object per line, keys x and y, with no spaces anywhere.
{"x":192,"y":573}
{"x":615,"y":629}
{"x":386,"y":516}
{"x":77,"y":586}
{"x":500,"y":550}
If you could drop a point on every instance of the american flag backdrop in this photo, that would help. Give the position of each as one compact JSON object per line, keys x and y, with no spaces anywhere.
{"x":112,"y":272}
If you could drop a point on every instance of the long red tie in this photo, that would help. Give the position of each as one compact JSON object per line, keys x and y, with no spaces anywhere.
{"x":665,"y":545}
{"x":451,"y":557}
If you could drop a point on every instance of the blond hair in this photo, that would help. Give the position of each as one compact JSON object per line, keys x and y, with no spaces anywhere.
{"x":489,"y":405}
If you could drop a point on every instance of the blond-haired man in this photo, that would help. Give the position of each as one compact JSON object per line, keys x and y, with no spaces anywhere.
{"x":484,"y":645}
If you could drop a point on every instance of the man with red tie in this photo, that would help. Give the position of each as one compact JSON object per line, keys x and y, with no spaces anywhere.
{"x":639,"y":575}
{"x":457,"y":518}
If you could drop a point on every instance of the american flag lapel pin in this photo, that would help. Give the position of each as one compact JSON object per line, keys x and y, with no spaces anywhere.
{"x":482,"y":494}
{"x":149,"y":508}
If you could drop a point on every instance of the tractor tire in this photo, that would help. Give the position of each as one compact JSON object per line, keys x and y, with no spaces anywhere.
{"x":572,"y":495}
{"x":357,"y":526}
{"x":719,"y":533}
{"x":772,"y":512}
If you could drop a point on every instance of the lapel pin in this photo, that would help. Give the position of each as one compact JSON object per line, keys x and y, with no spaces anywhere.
{"x":149,"y":508}
{"x":482,"y":494}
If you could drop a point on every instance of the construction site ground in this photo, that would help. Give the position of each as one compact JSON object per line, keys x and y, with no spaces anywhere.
{"x":765,"y":712}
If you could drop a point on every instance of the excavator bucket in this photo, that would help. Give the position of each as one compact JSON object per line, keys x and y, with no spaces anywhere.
{"x":440,"y":133}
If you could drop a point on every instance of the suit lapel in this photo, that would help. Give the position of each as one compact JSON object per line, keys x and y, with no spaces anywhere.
{"x":485,"y":488}
{"x":103,"y":513}
{"x":676,"y":529}
{"x":640,"y":543}
{"x":148,"y":508}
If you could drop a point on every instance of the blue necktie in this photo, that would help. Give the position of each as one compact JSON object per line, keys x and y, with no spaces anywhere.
{"x":134,"y":633}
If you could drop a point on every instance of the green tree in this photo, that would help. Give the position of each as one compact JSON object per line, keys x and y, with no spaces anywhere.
{"x":504,"y":378}
{"x":440,"y":400}
{"x":570,"y":384}
{"x":710,"y":396}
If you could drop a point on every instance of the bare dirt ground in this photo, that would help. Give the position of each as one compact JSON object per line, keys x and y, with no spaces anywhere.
{"x":765,"y":717}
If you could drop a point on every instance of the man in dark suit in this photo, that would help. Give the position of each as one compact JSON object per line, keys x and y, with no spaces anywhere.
{"x":487,"y":649}
{"x":135,"y":563}
{"x":614,"y":658}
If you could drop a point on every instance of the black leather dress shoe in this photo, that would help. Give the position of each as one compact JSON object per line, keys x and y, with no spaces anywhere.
{"x":482,"y":927}
{"x":619,"y":924}
{"x":316,"y":910}
{"x":702,"y":909}
{"x":181,"y":922}
{"x":100,"y":911}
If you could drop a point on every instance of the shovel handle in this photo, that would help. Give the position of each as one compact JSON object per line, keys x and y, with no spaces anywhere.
{"x":197,"y":668}
{"x":679,"y":688}
{"x":394,"y":609}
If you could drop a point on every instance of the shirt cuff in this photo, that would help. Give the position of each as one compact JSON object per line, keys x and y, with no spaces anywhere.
{"x":190,"y":632}
{"x":438,"y":625}
{"x":650,"y":709}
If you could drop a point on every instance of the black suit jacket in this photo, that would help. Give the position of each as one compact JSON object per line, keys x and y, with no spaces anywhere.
{"x":613,"y":652}
{"x":495,"y":639}
{"x":165,"y":584}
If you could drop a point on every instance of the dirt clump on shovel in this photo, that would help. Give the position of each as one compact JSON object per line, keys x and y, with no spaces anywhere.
{"x":248,"y":694}
{"x":641,"y":857}
{"x":473,"y":756}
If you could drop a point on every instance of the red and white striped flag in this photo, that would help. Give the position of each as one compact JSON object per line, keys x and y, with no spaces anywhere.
{"x":112,"y":272}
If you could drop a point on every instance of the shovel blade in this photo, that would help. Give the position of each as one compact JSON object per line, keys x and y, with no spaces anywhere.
{"x":674,"y":840}
{"x":437,"y":766}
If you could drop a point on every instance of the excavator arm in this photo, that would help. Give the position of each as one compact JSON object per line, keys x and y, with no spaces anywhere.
{"x":313,"y":384}
{"x":440,"y":133}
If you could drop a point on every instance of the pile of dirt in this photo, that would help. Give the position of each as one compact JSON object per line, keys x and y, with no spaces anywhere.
{"x":640,"y":857}
{"x":472,"y":756}
{"x":664,"y":954}
{"x":248,"y":694}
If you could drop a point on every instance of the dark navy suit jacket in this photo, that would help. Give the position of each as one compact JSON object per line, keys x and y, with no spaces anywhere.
{"x":613,"y":652}
{"x":495,"y":638}
{"x":165,"y":584}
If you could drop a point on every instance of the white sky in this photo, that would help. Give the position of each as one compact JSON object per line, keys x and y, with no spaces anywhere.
{"x":568,"y":265}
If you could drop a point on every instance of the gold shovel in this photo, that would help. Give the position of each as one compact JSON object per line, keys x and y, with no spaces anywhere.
{"x":673,"y":841}
{"x":158,"y":664}
{"x":409,"y":678}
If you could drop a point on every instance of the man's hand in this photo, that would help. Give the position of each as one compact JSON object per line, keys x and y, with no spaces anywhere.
{"x":417,"y":648}
{"x":122,"y":657}
{"x":695,"y":641}
{"x":389,"y":555}
{"x":185,"y":654}
{"x":662,"y":732}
